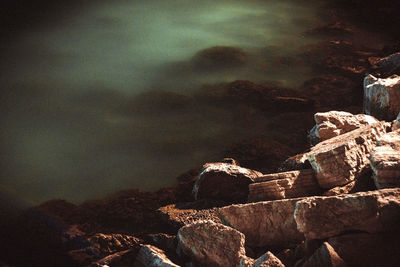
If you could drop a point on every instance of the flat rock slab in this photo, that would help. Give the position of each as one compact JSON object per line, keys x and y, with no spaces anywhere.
{"x":340,"y":160}
{"x":334,"y":123}
{"x":283,"y":185}
{"x":151,"y":256}
{"x":224,"y":181}
{"x":211,"y":244}
{"x":267,"y":223}
{"x":372,"y":212}
{"x":382,"y":97}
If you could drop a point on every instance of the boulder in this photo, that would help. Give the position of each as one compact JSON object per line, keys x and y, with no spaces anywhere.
{"x":385,"y":161}
{"x":324,"y":256}
{"x":386,"y":66}
{"x":382,"y":97}
{"x":151,"y":256}
{"x":372,"y":212}
{"x":268,"y":260}
{"x":334,"y":123}
{"x":342,"y":159}
{"x":284,"y":185}
{"x":224,"y":181}
{"x":267,"y":223}
{"x":211,"y":244}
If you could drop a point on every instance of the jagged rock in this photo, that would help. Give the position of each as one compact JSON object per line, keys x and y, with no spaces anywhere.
{"x":212,"y":244}
{"x":224,"y":181}
{"x":181,"y":214}
{"x":284,"y":185}
{"x":363,"y":249}
{"x":374,"y":211}
{"x":385,"y":161}
{"x":382,"y":97}
{"x":340,"y":160}
{"x":386,"y":66}
{"x":297,"y":162}
{"x":268,"y":223}
{"x":151,"y":256}
{"x":325,"y":256}
{"x":268,"y":260}
{"x":334,"y":123}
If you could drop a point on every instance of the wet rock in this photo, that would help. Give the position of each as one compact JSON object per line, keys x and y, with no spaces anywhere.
{"x":150,"y":256}
{"x":342,"y":159}
{"x":334,"y":123}
{"x":382,"y":97}
{"x":268,"y":260}
{"x":284,"y":185}
{"x":268,"y":223}
{"x":374,"y":211}
{"x":325,"y":256}
{"x":212,"y":244}
{"x":385,"y":161}
{"x":224,"y":181}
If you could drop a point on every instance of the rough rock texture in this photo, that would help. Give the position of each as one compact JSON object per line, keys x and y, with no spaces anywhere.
{"x":325,"y":256}
{"x":224,"y":181}
{"x":382,"y":97}
{"x":340,"y":160}
{"x":374,"y":211}
{"x":385,"y":161}
{"x":212,"y":244}
{"x":118,"y":259}
{"x":334,"y":123}
{"x":178,"y":215}
{"x":268,"y":223}
{"x":284,"y":185}
{"x":396,"y":123}
{"x":268,"y":260}
{"x":386,"y":66}
{"x":297,"y":162}
{"x":150,"y":256}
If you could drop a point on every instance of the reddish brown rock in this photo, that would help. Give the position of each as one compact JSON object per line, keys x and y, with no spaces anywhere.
{"x":268,"y":223}
{"x":284,"y":185}
{"x":297,"y":162}
{"x":224,"y":181}
{"x":386,"y":66}
{"x":118,"y":259}
{"x":382,"y":97}
{"x":212,"y":244}
{"x":385,"y":161}
{"x":342,"y":159}
{"x":374,"y":211}
{"x":325,"y":256}
{"x":334,"y":123}
{"x":268,"y":260}
{"x":151,"y":256}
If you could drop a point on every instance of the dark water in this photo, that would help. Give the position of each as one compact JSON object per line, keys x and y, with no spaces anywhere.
{"x":103,"y":97}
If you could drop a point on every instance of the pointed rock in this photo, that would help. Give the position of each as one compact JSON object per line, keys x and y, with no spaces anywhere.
{"x":284,"y":185}
{"x":268,"y":260}
{"x":323,"y":217}
{"x":268,"y":223}
{"x":342,"y":159}
{"x":325,"y":256}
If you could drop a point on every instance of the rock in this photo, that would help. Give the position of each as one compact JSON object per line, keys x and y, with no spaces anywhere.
{"x":334,"y":123}
{"x":396,"y":123}
{"x":150,"y":256}
{"x":268,"y":260}
{"x":385,"y":161}
{"x":372,"y":212}
{"x":224,"y":181}
{"x":386,"y":66}
{"x":268,"y":223}
{"x":165,"y":242}
{"x":212,"y":244}
{"x":297,"y":162}
{"x":342,"y":159}
{"x":382,"y":97}
{"x":118,"y":259}
{"x":284,"y":185}
{"x":181,"y":214}
{"x":325,"y":256}
{"x":363,"y":249}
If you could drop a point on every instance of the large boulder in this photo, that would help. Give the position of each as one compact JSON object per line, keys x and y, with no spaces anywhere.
{"x":372,"y":212}
{"x":224,"y":181}
{"x":382,"y":97}
{"x":334,"y":123}
{"x":151,"y":256}
{"x":268,"y":223}
{"x":211,"y":244}
{"x":385,"y":161}
{"x":284,"y":185}
{"x":342,"y":159}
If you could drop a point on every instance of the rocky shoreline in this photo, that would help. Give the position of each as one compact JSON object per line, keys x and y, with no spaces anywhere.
{"x":337,"y":204}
